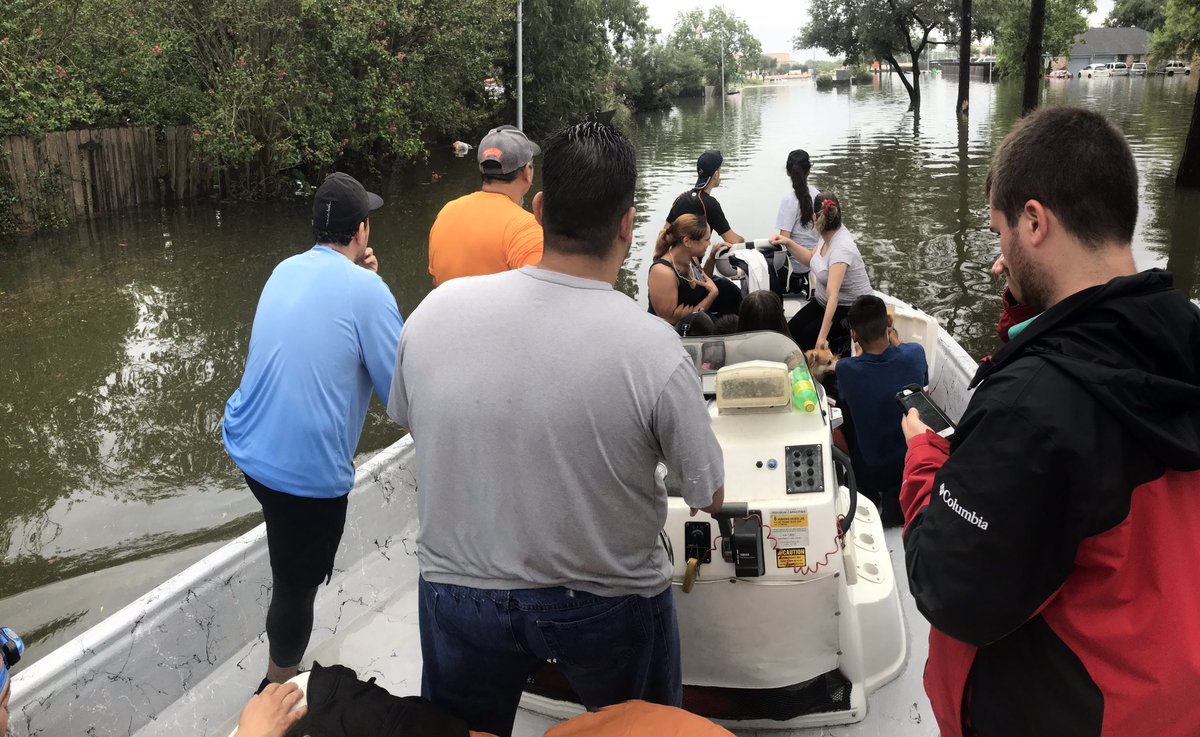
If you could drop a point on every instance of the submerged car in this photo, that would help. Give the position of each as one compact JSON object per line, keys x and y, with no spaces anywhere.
{"x":1138,"y":67}
{"x":1173,"y":67}
{"x":1059,"y":74}
{"x":1094,"y":70}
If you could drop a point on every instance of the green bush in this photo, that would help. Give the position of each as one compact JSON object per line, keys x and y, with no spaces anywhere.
{"x":268,"y":85}
{"x":272,"y":88}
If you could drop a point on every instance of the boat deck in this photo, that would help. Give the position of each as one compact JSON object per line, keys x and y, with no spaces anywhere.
{"x":383,"y":642}
{"x":185,"y":657}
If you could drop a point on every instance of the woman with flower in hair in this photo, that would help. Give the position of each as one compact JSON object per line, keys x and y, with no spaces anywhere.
{"x":838,"y":276}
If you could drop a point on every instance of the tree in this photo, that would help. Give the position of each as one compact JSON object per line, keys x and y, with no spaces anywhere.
{"x":766,"y":64}
{"x":1007,"y":21}
{"x":569,"y":57}
{"x":254,"y":78}
{"x":651,"y":73}
{"x":1033,"y":56}
{"x":269,"y":100}
{"x":709,"y":36}
{"x":1144,"y":14}
{"x":862,"y":30}
{"x":1179,"y":35}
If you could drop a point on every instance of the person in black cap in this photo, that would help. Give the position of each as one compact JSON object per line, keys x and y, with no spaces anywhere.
{"x":325,"y":334}
{"x":700,"y":202}
{"x":488,"y":231}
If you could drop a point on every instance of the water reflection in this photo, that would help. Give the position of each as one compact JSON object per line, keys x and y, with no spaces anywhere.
{"x":117,"y":359}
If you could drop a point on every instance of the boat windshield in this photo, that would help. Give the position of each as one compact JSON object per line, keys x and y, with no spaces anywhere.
{"x":711,"y":353}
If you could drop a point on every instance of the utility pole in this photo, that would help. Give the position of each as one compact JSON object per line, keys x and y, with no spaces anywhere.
{"x":520,"y":70}
{"x":964,"y":61}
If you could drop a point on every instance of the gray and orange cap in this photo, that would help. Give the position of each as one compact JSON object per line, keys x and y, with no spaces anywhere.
{"x":505,"y":149}
{"x":341,"y":203}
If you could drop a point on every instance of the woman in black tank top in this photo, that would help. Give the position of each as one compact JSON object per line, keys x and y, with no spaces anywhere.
{"x":678,"y":286}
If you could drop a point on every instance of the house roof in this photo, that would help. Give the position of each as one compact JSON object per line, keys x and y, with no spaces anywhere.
{"x":1119,"y":41}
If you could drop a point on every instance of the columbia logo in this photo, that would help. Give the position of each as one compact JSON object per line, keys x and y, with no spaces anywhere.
{"x":960,"y":510}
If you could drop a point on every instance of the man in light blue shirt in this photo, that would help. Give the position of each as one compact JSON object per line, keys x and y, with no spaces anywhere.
{"x":324,"y":336}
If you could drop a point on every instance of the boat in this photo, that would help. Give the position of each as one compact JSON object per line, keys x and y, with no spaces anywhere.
{"x":185,"y":657}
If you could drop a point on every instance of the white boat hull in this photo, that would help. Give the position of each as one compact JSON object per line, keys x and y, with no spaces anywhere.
{"x":185,"y":657}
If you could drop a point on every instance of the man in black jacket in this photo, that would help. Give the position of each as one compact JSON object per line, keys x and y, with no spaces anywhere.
{"x":1051,"y":543}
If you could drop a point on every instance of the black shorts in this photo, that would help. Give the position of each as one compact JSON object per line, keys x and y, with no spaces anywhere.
{"x":303,"y":534}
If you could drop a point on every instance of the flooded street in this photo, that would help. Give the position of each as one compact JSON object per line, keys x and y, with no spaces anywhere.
{"x":122,"y":338}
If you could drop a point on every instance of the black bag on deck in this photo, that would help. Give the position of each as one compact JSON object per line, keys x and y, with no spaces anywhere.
{"x":340,"y":705}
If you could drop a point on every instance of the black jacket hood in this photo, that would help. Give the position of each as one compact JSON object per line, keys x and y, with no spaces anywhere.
{"x":1134,"y":345}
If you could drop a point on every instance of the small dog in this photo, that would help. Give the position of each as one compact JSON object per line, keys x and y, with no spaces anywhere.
{"x":821,"y":362}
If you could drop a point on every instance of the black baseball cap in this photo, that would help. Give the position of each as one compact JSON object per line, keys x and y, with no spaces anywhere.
{"x":706,"y":166}
{"x":341,"y":203}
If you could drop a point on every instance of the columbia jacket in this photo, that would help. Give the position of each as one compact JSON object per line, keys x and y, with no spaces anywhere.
{"x":1054,"y":542}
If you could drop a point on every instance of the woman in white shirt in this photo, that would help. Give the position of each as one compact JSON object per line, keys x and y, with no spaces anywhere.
{"x":795,"y":218}
{"x":838,"y":274}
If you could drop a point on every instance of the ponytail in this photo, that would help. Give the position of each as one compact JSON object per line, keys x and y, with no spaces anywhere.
{"x":831,"y":209}
{"x":666,"y":239}
{"x":798,"y":167}
{"x":672,"y":234}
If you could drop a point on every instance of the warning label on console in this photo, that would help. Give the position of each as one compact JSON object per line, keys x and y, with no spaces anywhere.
{"x":789,"y":527}
{"x":790,"y":558}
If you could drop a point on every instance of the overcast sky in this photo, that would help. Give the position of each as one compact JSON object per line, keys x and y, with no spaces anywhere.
{"x":774,"y":22}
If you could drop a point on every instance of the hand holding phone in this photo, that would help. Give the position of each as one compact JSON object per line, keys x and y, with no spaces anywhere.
{"x":914,"y":397}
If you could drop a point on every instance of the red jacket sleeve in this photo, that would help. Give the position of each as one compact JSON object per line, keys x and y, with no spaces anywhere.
{"x":926,"y":455}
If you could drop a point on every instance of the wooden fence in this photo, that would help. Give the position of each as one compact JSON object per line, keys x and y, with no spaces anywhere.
{"x":79,"y":174}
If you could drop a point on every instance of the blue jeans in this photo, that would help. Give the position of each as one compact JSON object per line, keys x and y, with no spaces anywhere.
{"x":481,"y":646}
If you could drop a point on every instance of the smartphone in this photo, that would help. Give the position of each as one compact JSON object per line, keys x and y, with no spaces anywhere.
{"x":914,"y":397}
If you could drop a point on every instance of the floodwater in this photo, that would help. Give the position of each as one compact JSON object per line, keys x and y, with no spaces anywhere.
{"x":121,"y":339}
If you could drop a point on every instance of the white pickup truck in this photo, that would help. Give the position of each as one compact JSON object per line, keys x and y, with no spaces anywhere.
{"x":1174,"y":67}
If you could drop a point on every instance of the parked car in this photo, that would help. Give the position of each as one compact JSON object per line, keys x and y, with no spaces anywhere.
{"x":1093,"y":70}
{"x":1059,"y":74}
{"x":1138,"y":67}
{"x":1173,"y":67}
{"x":1118,"y":69}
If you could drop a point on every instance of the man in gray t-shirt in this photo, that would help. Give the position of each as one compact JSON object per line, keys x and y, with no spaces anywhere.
{"x":540,"y":403}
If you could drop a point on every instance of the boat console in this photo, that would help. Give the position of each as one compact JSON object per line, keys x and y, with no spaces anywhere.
{"x":788,"y":608}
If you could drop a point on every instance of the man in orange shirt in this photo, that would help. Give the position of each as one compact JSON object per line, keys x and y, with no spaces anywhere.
{"x":488,"y":231}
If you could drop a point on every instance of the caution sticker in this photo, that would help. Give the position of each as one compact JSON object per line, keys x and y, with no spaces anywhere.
{"x":790,"y":558}
{"x":789,"y":527}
